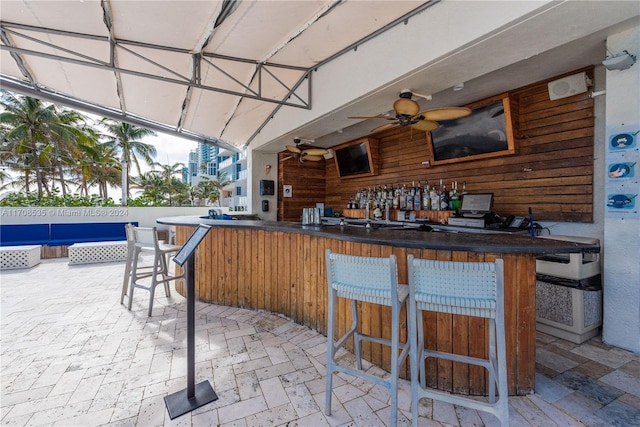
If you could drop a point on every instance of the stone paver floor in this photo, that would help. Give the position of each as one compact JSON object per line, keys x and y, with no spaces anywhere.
{"x":71,"y":355}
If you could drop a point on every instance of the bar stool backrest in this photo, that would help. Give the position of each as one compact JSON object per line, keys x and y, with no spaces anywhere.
{"x":145,"y":237}
{"x":464,"y":288}
{"x":363,"y":278}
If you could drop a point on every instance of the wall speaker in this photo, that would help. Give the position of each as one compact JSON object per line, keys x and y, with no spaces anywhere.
{"x":568,"y":86}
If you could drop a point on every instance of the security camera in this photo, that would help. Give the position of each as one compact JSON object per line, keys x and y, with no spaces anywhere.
{"x":297,"y":140}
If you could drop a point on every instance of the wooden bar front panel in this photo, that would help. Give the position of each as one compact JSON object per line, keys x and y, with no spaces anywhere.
{"x":284,"y":273}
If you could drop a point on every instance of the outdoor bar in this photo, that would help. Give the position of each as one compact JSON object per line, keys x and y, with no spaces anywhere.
{"x":279,"y":267}
{"x":433,"y":187}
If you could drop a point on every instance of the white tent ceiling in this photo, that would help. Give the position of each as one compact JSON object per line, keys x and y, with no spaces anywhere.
{"x":209,"y":70}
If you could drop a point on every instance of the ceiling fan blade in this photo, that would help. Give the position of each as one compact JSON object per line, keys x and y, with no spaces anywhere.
{"x":313,"y":158}
{"x":406,"y":106}
{"x":316,"y":151}
{"x":284,"y":159}
{"x":293,"y":149}
{"x":384,"y":127}
{"x":446,"y":113}
{"x":425,"y":125}
{"x":372,"y":117}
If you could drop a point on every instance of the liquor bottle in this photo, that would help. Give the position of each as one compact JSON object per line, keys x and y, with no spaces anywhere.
{"x":417,"y":198}
{"x":396,"y":199}
{"x":426,"y":197}
{"x":444,"y":198}
{"x":435,"y":199}
{"x":385,"y":193}
{"x":450,"y":207}
{"x":403,"y":198}
{"x":411,"y":193}
{"x":455,"y":199}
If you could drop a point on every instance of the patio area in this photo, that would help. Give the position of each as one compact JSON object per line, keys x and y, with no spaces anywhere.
{"x":71,"y":355}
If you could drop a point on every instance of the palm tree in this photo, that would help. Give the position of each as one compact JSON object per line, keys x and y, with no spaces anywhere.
{"x":126,"y":138}
{"x":31,"y":125}
{"x":209,"y":189}
{"x":101,"y":168}
{"x":71,"y":146}
{"x":168,"y":173}
{"x":152,"y":186}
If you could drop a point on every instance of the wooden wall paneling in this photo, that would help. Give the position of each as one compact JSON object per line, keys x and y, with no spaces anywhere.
{"x":231,"y":266}
{"x":310,"y":262}
{"x":251,"y":263}
{"x":444,"y":332}
{"x":239,"y":253}
{"x":510,"y":299}
{"x":526,"y":343}
{"x":321,"y":288}
{"x":308,"y":182}
{"x":297,"y":301}
{"x":258,"y":278}
{"x":219,"y":291}
{"x":205,"y":268}
{"x":271,"y":272}
{"x":284,"y":273}
{"x":551,"y":172}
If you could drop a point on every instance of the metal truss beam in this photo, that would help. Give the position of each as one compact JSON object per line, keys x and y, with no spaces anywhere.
{"x":42,"y":93}
{"x":192,"y":81}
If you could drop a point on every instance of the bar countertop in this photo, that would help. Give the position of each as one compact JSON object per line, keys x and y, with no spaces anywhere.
{"x":440,"y":238}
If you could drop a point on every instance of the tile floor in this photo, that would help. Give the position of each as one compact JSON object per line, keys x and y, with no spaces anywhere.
{"x":71,"y":355}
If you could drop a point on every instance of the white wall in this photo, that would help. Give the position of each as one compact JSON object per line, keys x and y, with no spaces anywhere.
{"x":621,"y":322}
{"x":146,"y":217}
{"x":257,"y":163}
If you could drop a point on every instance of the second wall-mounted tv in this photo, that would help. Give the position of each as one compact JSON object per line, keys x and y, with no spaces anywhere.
{"x":486,"y":133}
{"x":356,"y":158}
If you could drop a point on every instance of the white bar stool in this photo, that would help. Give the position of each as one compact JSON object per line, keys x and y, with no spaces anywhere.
{"x":146,"y":239}
{"x":461,"y":288}
{"x":372,"y":280}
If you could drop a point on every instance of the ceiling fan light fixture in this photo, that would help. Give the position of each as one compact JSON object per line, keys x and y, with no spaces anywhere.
{"x":405,"y":106}
{"x":293,"y":149}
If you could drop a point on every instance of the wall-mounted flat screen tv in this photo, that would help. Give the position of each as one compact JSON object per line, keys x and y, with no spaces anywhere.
{"x":487,"y":132}
{"x":354,"y":159}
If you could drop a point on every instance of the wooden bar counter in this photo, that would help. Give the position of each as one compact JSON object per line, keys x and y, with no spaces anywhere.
{"x":280,"y":267}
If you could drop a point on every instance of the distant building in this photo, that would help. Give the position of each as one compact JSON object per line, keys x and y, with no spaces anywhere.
{"x":208,"y":160}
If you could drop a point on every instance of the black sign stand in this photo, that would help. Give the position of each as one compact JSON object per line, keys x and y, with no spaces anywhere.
{"x":195,"y":395}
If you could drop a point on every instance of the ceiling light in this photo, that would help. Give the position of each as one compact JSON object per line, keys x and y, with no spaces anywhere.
{"x":458,"y":87}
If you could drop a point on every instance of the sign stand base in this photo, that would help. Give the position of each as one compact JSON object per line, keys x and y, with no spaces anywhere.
{"x":178,"y":403}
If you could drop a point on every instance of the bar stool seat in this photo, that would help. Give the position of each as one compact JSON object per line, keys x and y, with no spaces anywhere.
{"x":461,"y":288}
{"x":372,"y":280}
{"x":146,"y":239}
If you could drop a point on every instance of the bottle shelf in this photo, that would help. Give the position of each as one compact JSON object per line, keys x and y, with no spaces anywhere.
{"x":435,"y":216}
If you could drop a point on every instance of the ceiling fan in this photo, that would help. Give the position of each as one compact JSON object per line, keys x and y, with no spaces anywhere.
{"x":309,"y":154}
{"x":408,"y":114}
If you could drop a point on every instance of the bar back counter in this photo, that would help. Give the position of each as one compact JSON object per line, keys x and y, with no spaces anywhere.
{"x":280,"y":267}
